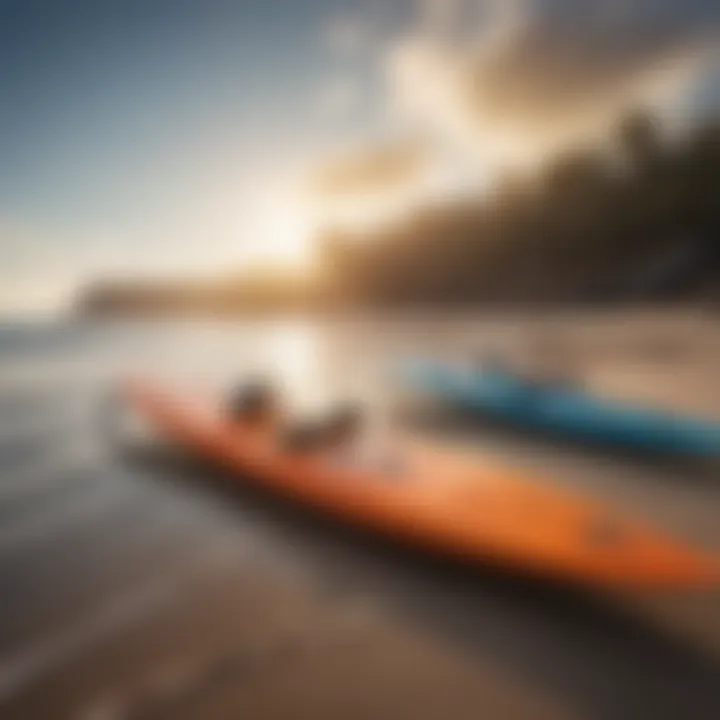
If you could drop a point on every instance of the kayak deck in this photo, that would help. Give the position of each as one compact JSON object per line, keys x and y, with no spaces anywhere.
{"x":442,"y":502}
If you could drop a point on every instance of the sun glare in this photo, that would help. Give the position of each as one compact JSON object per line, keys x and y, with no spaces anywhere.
{"x":283,"y":238}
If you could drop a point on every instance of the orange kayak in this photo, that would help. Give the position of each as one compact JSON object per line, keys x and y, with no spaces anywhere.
{"x":442,"y":502}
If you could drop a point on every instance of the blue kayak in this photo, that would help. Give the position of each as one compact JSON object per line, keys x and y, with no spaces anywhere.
{"x":562,"y":408}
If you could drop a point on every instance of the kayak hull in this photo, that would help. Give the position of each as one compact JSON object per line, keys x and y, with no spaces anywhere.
{"x":566,"y":410}
{"x":442,"y":503}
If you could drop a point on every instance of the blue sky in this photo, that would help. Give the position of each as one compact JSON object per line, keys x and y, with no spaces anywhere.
{"x":168,"y":136}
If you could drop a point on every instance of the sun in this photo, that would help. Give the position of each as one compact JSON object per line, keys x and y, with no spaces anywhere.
{"x":283,"y":237}
{"x":289,"y":238}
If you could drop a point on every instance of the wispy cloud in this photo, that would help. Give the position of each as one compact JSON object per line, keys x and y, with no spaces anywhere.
{"x":371,"y":169}
{"x":339,"y":97}
{"x":508,"y":81}
{"x":348,"y":36}
{"x":538,"y":69}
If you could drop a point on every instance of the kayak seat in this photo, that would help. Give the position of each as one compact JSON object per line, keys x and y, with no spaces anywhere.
{"x":254,"y":402}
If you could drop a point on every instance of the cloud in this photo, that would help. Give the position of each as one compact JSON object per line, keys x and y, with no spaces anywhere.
{"x":339,"y":97}
{"x":507,"y":82}
{"x":537,"y":70}
{"x":348,"y":37}
{"x":373,"y":169}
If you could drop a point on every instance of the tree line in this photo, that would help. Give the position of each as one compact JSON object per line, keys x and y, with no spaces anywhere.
{"x":636,"y":220}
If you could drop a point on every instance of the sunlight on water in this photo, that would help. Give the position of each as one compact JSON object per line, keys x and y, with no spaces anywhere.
{"x":294,"y":355}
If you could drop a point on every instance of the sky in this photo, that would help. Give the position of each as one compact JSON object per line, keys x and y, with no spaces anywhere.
{"x":203,"y":137}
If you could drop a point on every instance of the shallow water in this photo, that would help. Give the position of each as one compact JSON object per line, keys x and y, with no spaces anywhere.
{"x":138,"y":589}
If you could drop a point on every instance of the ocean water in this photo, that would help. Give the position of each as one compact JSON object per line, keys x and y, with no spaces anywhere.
{"x":132,"y":587}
